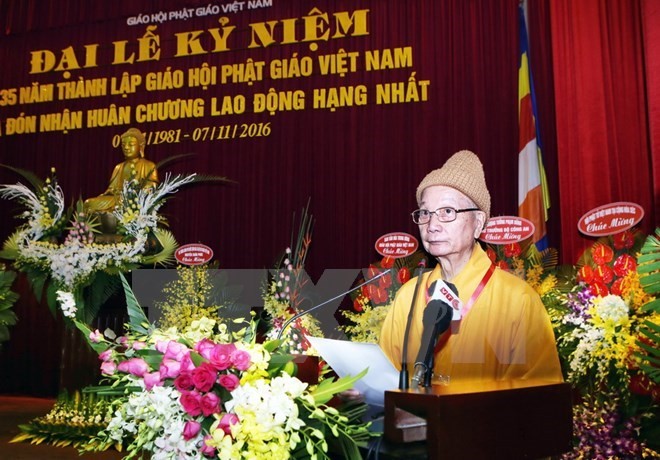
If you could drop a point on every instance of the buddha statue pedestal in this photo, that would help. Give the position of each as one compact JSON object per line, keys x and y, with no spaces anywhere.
{"x":108,"y":228}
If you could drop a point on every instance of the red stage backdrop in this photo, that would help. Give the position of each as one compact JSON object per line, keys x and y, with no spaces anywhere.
{"x":346,"y":104}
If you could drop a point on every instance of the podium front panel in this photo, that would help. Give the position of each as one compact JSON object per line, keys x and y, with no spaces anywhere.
{"x":497,"y":420}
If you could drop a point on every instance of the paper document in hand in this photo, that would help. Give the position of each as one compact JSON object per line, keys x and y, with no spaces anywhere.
{"x":351,"y":358}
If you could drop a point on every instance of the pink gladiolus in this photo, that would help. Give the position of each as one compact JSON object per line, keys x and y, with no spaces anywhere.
{"x":152,"y":379}
{"x":207,"y":450}
{"x":108,"y":368}
{"x":220,"y":355}
{"x":106,"y":355}
{"x":95,"y":336}
{"x":229,"y":381}
{"x":191,"y":403}
{"x":227,"y":421}
{"x":135,"y":366}
{"x":241,"y":360}
{"x":204,"y":377}
{"x":169,"y":368}
{"x":191,"y":429}
{"x":184,"y":382}
{"x":210,"y":404}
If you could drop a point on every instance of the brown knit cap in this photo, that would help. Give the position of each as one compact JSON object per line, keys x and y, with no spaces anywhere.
{"x":463,"y":172}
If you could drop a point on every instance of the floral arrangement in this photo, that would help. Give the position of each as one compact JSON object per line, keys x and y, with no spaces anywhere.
{"x":189,"y":297}
{"x":372,"y":302}
{"x":207,"y":392}
{"x":7,"y":300}
{"x":283,"y":295}
{"x":59,"y":245}
{"x":598,"y":323}
{"x":602,"y":431}
{"x":74,"y":420}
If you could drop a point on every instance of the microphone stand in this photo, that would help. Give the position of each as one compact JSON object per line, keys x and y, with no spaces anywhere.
{"x":403,"y":374}
{"x":316,"y":307}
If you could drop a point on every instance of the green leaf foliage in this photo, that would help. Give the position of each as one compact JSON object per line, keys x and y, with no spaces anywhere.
{"x":137,"y":319}
{"x":649,"y":276}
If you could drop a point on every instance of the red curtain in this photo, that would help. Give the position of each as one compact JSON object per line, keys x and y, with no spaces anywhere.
{"x":601,"y":104}
{"x":651,"y":34}
{"x":359,"y":165}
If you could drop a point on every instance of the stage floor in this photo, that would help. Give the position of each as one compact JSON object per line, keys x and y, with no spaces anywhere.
{"x":16,"y":410}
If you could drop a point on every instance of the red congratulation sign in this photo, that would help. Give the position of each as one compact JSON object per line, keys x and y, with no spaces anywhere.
{"x":193,"y":254}
{"x":507,"y":230}
{"x":396,"y":245}
{"x":610,"y":219}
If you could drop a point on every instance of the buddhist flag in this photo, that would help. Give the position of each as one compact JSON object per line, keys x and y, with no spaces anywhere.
{"x":533,"y":196}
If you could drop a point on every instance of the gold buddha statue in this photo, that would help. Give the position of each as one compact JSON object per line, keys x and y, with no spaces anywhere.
{"x":134,"y":167}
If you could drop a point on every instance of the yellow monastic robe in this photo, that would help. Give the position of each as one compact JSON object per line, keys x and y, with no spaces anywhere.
{"x":507,"y":334}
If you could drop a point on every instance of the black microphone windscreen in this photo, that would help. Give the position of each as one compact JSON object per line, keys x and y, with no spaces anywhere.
{"x":443,"y":320}
{"x":431,"y":288}
{"x":452,"y":287}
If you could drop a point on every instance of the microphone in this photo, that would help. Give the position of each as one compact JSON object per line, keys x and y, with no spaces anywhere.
{"x":437,"y":319}
{"x":403,"y":374}
{"x":316,"y":307}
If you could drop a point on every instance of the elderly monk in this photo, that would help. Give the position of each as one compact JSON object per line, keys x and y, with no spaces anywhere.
{"x":134,"y":166}
{"x":504,"y":331}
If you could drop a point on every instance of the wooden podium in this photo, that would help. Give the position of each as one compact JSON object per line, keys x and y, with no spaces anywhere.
{"x":521,"y":419}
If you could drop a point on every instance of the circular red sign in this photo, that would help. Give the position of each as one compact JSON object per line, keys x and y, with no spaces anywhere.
{"x":396,"y":245}
{"x":610,"y":219}
{"x":507,"y":230}
{"x":193,"y":254}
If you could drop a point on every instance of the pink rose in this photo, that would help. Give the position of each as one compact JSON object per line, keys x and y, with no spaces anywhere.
{"x":241,"y":360}
{"x":220,"y":355}
{"x":204,"y":348}
{"x":207,"y":450}
{"x":169,"y":368}
{"x":229,"y":381}
{"x":152,"y":379}
{"x":210,"y":404}
{"x":227,"y":421}
{"x":184,"y":382}
{"x":176,"y":350}
{"x":108,"y":368}
{"x":191,"y":402}
{"x":186,"y":364}
{"x":204,"y":377}
{"x":106,"y":355}
{"x":135,"y":366}
{"x":191,"y":429}
{"x":95,"y":336}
